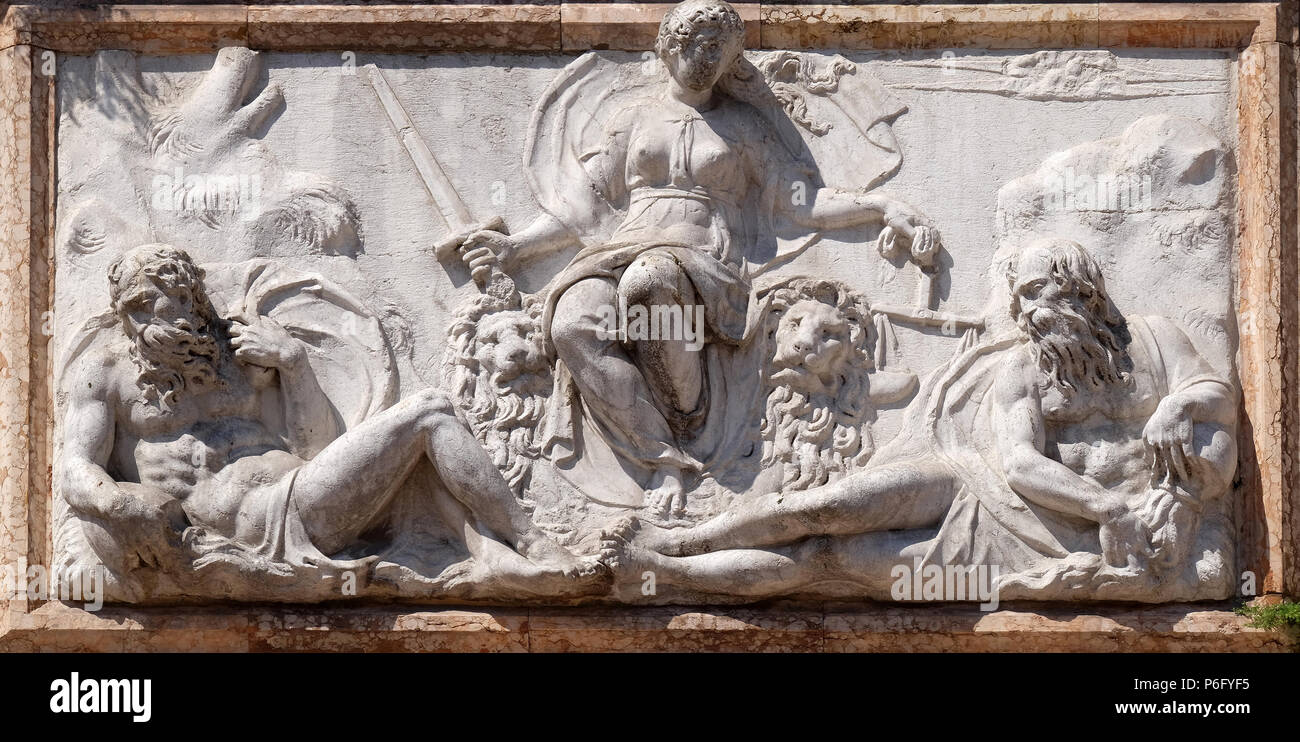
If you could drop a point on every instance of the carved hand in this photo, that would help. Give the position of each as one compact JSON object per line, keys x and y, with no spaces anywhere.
{"x":265,"y":343}
{"x":1125,"y":540}
{"x":485,"y":247}
{"x":149,"y":530}
{"x":901,"y":218}
{"x":1168,"y":439}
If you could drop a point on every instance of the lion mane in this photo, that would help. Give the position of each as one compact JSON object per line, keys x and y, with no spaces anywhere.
{"x":817,"y":438}
{"x":503,"y":410}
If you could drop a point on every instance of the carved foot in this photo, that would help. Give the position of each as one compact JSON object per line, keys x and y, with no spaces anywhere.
{"x":666,"y":499}
{"x":551,"y":557}
{"x":569,"y":578}
{"x":662,"y":539}
{"x":587,"y":576}
{"x":625,"y":558}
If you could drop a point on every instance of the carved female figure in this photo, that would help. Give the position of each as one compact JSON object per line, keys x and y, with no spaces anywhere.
{"x":692,"y":168}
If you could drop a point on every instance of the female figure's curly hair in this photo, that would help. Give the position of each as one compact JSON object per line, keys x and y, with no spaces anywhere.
{"x":776,"y":83}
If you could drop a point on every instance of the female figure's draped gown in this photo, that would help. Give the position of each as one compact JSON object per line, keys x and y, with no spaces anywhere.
{"x":691,"y":184}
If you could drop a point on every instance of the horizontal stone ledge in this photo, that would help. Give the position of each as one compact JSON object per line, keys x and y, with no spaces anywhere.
{"x":633,"y":27}
{"x":152,"y":29}
{"x":406,"y":28}
{"x":1019,"y":26}
{"x":159,"y":29}
{"x":171,"y":29}
{"x":824,"y":628}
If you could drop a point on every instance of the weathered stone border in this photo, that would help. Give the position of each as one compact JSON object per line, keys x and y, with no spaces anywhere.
{"x":1269,"y":538}
{"x":159,"y":29}
{"x":242,"y":628}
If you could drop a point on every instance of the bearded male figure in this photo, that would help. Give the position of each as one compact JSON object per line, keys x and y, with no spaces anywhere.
{"x":187,"y":419}
{"x":1084,"y":443}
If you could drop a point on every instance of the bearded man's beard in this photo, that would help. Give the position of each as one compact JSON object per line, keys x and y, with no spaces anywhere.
{"x":173,"y":358}
{"x":505,"y":416}
{"x":1076,"y":350}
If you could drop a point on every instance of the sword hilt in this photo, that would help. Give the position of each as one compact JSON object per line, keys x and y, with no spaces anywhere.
{"x":447,"y":247}
{"x":494,"y":282}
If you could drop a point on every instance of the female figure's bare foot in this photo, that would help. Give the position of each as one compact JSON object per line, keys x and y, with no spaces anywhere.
{"x":666,"y":498}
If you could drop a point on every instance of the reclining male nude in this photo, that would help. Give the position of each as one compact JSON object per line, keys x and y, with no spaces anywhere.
{"x":1082,"y":432}
{"x":187,"y":419}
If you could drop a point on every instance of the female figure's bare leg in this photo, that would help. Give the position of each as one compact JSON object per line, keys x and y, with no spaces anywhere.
{"x":613,"y":387}
{"x":673,"y":367}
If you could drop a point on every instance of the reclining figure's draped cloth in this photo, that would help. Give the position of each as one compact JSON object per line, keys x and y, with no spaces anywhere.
{"x":950,"y":424}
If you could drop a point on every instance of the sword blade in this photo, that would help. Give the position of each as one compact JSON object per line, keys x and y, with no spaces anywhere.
{"x":444,"y":196}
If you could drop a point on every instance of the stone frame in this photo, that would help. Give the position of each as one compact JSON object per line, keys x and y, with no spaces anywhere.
{"x":1264,"y":35}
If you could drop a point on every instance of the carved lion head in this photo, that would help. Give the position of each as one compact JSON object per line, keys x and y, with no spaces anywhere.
{"x":817,"y":420}
{"x":497,"y":371}
{"x":813,"y":347}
